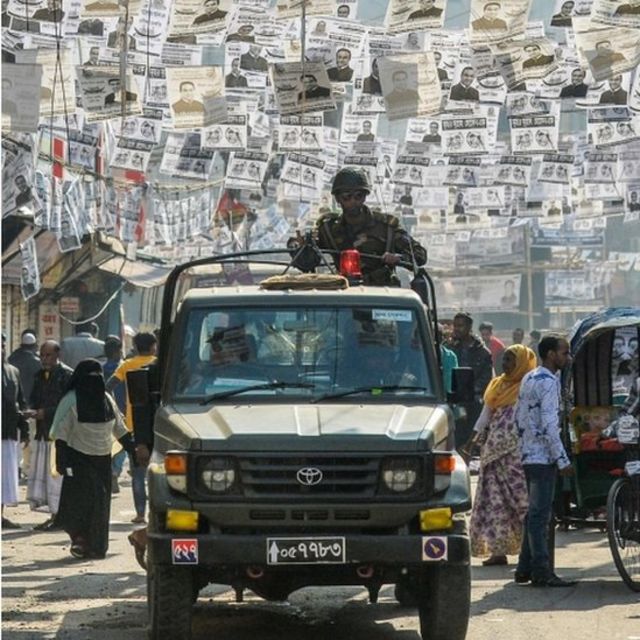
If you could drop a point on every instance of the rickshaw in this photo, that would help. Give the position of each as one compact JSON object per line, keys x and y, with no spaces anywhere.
{"x":604,"y":493}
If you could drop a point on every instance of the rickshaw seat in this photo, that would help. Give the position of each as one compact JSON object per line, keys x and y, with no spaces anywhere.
{"x":594,"y":458}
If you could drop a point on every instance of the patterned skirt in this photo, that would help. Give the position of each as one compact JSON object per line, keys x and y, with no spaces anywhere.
{"x":501,"y":500}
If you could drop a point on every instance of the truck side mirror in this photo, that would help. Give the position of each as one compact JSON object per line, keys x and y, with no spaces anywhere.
{"x":462,"y":386}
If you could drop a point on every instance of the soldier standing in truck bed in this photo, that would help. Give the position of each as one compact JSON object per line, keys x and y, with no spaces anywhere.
{"x":358,"y":227}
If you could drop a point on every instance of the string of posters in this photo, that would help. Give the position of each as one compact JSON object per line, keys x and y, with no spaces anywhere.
{"x":189,"y":127}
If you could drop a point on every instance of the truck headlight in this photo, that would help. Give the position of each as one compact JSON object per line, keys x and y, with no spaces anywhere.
{"x":175,"y":465}
{"x":218,"y":474}
{"x":400,"y":474}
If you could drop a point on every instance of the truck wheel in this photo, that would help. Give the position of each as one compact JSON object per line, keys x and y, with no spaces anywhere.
{"x":444,"y":601}
{"x":404,"y":595}
{"x":170,"y":597}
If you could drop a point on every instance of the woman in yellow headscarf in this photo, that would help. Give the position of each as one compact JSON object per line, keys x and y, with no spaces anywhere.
{"x":500,"y":504}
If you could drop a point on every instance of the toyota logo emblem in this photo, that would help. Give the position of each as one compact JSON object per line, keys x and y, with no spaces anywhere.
{"x":309,"y":476}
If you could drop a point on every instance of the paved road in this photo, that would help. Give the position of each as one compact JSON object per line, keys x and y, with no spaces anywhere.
{"x":48,"y":594}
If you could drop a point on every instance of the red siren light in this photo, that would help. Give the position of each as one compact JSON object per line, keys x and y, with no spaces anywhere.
{"x":350,"y":263}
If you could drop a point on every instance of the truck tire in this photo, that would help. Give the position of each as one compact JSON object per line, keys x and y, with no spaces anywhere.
{"x":170,"y":597}
{"x":444,"y":602}
{"x":405,"y":596}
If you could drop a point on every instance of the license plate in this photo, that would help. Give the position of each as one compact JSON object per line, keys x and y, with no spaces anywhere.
{"x":306,"y":550}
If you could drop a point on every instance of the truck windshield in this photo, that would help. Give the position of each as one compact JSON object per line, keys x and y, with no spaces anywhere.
{"x":311,"y":354}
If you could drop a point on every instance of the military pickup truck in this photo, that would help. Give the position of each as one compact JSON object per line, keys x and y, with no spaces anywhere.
{"x":302,"y":436}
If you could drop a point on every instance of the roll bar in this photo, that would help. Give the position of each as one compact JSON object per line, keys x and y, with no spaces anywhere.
{"x":422,"y":284}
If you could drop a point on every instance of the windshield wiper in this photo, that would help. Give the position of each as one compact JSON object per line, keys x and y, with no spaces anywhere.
{"x":373,"y":389}
{"x":275,"y":384}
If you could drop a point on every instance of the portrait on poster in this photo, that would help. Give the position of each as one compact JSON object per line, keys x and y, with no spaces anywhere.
{"x":30,"y":272}
{"x":103,"y":96}
{"x":404,"y":16}
{"x":609,"y":51}
{"x":194,"y":17}
{"x":491,"y":21}
{"x":563,"y":13}
{"x":301,"y":88}
{"x":621,"y":13}
{"x":496,"y":293}
{"x":196,"y":96}
{"x":410,"y":85}
{"x":21,"y":97}
{"x":528,"y":59}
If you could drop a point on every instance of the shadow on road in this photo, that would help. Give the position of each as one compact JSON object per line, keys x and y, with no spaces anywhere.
{"x":305,"y":616}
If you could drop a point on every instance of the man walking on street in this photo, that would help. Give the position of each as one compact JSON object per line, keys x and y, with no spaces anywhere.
{"x":49,"y":386}
{"x":495,"y":345}
{"x":543,"y":455}
{"x":82,"y":346}
{"x":27,"y":361}
{"x":145,"y":344}
{"x":471,"y":353}
{"x":14,"y":430}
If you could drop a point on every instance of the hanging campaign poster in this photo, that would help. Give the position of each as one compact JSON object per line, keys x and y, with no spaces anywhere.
{"x":479,"y":293}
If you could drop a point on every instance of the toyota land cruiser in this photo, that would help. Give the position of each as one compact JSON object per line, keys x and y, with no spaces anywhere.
{"x":302,"y":437}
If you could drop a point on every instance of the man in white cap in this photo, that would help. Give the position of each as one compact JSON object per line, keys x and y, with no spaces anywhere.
{"x":27,"y":361}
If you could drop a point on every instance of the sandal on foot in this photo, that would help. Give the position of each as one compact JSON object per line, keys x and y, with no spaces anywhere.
{"x":495,"y":561}
{"x":78,"y":551}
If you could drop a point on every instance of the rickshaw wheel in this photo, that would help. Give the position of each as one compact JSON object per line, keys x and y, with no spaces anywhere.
{"x":623,"y":529}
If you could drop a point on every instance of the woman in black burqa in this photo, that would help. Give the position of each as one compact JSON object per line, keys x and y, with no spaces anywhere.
{"x":86,"y":421}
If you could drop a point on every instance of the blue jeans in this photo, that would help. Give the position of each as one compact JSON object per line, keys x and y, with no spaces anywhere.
{"x":138,"y":479}
{"x":117,"y":462}
{"x":534,"y":553}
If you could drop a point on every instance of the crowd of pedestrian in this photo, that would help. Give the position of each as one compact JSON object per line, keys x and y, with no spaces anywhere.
{"x":64,"y":406}
{"x":514,"y":422}
{"x":69,"y":433}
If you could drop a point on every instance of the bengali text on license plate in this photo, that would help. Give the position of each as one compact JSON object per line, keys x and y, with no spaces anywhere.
{"x":306,"y":550}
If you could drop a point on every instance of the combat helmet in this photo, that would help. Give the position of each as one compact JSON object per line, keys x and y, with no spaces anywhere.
{"x":347,"y":179}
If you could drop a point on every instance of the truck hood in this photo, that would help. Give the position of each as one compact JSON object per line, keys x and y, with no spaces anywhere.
{"x":397,"y":422}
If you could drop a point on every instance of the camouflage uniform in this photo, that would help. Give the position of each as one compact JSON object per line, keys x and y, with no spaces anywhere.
{"x":377,"y":234}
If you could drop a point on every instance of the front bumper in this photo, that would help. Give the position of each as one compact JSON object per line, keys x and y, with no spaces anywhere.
{"x":244,"y":550}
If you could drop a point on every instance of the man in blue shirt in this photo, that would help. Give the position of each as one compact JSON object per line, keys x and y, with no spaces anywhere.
{"x":543,"y":454}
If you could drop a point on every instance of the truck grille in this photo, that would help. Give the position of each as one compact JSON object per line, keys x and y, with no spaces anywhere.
{"x":284,"y":476}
